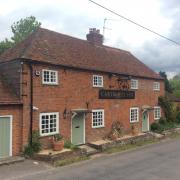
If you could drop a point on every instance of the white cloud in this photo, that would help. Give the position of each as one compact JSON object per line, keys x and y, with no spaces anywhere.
{"x":75,"y":17}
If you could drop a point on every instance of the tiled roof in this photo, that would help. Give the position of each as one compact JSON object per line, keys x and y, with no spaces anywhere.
{"x":52,"y":47}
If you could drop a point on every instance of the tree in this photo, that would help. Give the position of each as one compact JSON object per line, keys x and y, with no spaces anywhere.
{"x":175,"y":83}
{"x":168,"y":86}
{"x":20,"y":29}
{"x":6,"y":44}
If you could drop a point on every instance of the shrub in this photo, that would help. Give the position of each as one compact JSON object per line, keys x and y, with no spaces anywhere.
{"x":167,"y":106}
{"x":35,"y":147}
{"x":67,"y":144}
{"x":162,"y":121}
{"x":156,"y":127}
{"x":28,"y":151}
{"x":178,"y":117}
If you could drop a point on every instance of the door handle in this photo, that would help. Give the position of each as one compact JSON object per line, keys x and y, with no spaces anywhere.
{"x":77,"y":127}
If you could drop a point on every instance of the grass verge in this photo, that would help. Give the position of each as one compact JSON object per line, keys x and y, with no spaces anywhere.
{"x":130,"y":146}
{"x":70,"y":161}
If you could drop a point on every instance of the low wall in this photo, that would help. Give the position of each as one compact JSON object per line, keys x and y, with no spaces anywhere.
{"x":125,"y":141}
{"x":60,"y":156}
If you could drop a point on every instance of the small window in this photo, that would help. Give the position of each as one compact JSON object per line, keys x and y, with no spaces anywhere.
{"x":156,"y":86}
{"x":97,"y":118}
{"x":49,"y":123}
{"x":157,"y":112}
{"x":134,"y":115}
{"x":134,"y":84}
{"x":97,"y":81}
{"x":50,"y":77}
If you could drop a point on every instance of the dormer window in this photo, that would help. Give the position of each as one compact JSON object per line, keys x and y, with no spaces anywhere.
{"x":49,"y":77}
{"x":97,"y":81}
{"x":156,"y":86}
{"x":134,"y":84}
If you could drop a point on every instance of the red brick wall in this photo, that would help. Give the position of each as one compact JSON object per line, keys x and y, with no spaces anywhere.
{"x":16,"y":113}
{"x":74,"y":91}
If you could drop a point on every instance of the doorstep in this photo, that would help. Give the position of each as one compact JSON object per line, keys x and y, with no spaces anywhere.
{"x":11,"y":160}
{"x":89,"y":150}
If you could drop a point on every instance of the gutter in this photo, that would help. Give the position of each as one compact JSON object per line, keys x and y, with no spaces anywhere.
{"x":31,"y":103}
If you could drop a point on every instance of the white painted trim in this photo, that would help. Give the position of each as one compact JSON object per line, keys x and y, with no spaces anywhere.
{"x":11,"y":132}
{"x":50,"y":83}
{"x":157,"y":107}
{"x":98,"y":110}
{"x":137,"y":84}
{"x":156,"y":84}
{"x":134,"y":108}
{"x":147,"y":119}
{"x":57,"y":129}
{"x":84,"y":129}
{"x":94,"y":85}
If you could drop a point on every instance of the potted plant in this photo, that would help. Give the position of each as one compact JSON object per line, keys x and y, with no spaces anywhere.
{"x":58,"y":142}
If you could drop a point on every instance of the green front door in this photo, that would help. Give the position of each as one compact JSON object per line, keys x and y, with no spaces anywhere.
{"x":145,"y":122}
{"x":78,"y":129}
{"x":5,"y":137}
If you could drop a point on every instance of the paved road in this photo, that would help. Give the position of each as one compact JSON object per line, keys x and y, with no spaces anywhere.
{"x":155,"y":162}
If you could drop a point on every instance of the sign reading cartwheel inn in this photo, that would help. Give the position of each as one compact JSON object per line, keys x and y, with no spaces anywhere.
{"x":116,"y":94}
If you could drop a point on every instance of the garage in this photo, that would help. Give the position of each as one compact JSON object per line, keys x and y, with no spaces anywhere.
{"x":5,"y":136}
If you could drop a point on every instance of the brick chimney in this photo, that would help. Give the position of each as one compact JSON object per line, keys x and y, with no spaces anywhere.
{"x":95,"y":37}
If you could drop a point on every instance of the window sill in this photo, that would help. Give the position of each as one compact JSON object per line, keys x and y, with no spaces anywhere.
{"x":98,"y":127}
{"x":132,"y":122}
{"x":46,"y":135}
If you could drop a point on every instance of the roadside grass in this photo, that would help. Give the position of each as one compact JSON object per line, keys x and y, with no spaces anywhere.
{"x":174,"y":135}
{"x":70,"y":161}
{"x":120,"y":148}
{"x":130,"y":146}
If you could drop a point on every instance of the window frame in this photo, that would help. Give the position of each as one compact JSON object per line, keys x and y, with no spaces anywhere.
{"x":137,"y":84}
{"x":102,"y":81}
{"x":134,"y":108}
{"x":155,"y":108}
{"x":57,"y":123}
{"x":99,"y":126}
{"x":50,"y":82}
{"x":156,"y":86}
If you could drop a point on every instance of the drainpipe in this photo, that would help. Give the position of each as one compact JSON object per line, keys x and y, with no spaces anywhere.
{"x":31,"y":103}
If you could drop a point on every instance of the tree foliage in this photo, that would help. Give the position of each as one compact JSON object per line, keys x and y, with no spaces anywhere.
{"x":167,"y":107}
{"x":168,"y":86}
{"x":6,"y":44}
{"x":20,"y":29}
{"x":175,"y":83}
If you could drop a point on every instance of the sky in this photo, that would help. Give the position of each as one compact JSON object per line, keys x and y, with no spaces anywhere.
{"x":76,"y":17}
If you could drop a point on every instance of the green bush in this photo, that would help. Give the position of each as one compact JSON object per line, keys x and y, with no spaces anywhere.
{"x":156,"y":127}
{"x":162,"y":121}
{"x":67,"y":144}
{"x":28,"y":151}
{"x":178,"y":117}
{"x":35,"y":147}
{"x":167,"y":107}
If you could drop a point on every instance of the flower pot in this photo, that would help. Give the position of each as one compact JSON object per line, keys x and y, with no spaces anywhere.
{"x":58,"y":145}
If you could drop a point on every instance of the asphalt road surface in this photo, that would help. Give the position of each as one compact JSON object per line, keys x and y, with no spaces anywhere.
{"x":159,"y":161}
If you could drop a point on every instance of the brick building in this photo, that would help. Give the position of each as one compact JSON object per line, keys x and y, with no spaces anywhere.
{"x":55,"y":83}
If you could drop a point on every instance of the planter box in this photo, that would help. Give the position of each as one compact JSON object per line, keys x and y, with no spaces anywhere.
{"x":65,"y":154}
